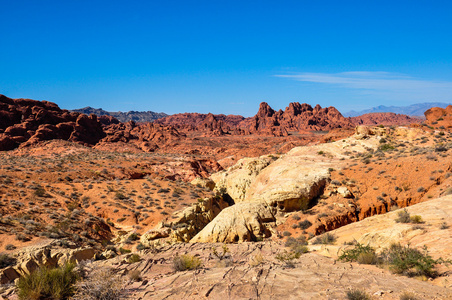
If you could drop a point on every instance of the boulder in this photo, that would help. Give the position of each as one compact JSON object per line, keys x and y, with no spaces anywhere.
{"x":236,"y":180}
{"x":344,"y":192}
{"x":241,"y":222}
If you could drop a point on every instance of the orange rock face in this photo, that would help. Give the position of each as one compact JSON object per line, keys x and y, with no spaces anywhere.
{"x":384,"y":119}
{"x":24,"y":122}
{"x":439,"y":117}
{"x":296,"y":117}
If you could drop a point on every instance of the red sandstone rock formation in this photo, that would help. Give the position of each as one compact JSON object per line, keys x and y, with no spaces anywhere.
{"x":439,"y":117}
{"x":384,"y":119}
{"x":296,"y":117}
{"x":24,"y":122}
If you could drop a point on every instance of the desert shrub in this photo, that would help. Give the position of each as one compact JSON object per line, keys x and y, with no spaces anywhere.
{"x":443,"y":226}
{"x":416,"y":219}
{"x":100,"y":284}
{"x":133,"y":237}
{"x":120,"y":196}
{"x":409,"y":261}
{"x":287,"y":233}
{"x":124,"y":251}
{"x":288,"y":258}
{"x":133,"y":258}
{"x":186,"y":262}
{"x":6,"y":261}
{"x":140,"y":246}
{"x":297,"y":245}
{"x":356,"y":294}
{"x":361,"y":254}
{"x":135,"y":275}
{"x":221,"y":255}
{"x":10,"y":247}
{"x":304,"y":224}
{"x":448,"y":191}
{"x":403,"y":216}
{"x":408,"y":296}
{"x":386,"y":147}
{"x":45,"y":283}
{"x":40,"y":192}
{"x":325,"y":239}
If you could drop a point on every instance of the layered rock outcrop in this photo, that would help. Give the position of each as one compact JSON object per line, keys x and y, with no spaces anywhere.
{"x":264,"y":188}
{"x":184,"y":225}
{"x":48,"y":255}
{"x":241,"y":222}
{"x":236,"y":180}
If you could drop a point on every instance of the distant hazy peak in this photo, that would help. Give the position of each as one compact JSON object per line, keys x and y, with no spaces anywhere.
{"x":137,"y":116}
{"x":417,"y":109}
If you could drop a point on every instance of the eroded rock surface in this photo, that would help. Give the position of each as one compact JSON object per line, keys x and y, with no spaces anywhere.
{"x":241,"y":222}
{"x":253,"y":272}
{"x":48,"y":255}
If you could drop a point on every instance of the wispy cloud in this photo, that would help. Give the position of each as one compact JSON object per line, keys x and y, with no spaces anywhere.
{"x":377,"y":81}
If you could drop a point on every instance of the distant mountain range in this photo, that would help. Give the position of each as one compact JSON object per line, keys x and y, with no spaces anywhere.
{"x":137,"y":116}
{"x":411,"y":110}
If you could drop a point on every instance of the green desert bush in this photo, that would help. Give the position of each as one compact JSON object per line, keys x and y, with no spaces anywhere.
{"x":400,"y":259}
{"x":361,"y":254}
{"x":416,"y":219}
{"x":133,"y":258}
{"x":186,"y":262}
{"x":46,"y":283}
{"x":124,"y":251}
{"x":409,"y":261}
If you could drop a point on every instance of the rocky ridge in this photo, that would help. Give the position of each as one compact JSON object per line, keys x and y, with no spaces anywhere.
{"x":387,"y":118}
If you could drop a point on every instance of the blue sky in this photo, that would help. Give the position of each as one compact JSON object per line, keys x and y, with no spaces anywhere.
{"x":226,"y":56}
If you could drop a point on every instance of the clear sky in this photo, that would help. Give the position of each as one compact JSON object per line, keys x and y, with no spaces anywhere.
{"x":226,"y":56}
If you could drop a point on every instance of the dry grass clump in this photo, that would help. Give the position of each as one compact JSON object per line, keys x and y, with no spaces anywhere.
{"x":405,"y":217}
{"x":408,"y":296}
{"x":186,"y":262}
{"x":325,"y":239}
{"x":45,"y":283}
{"x":100,"y":284}
{"x":256,"y":260}
{"x":356,"y":294}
